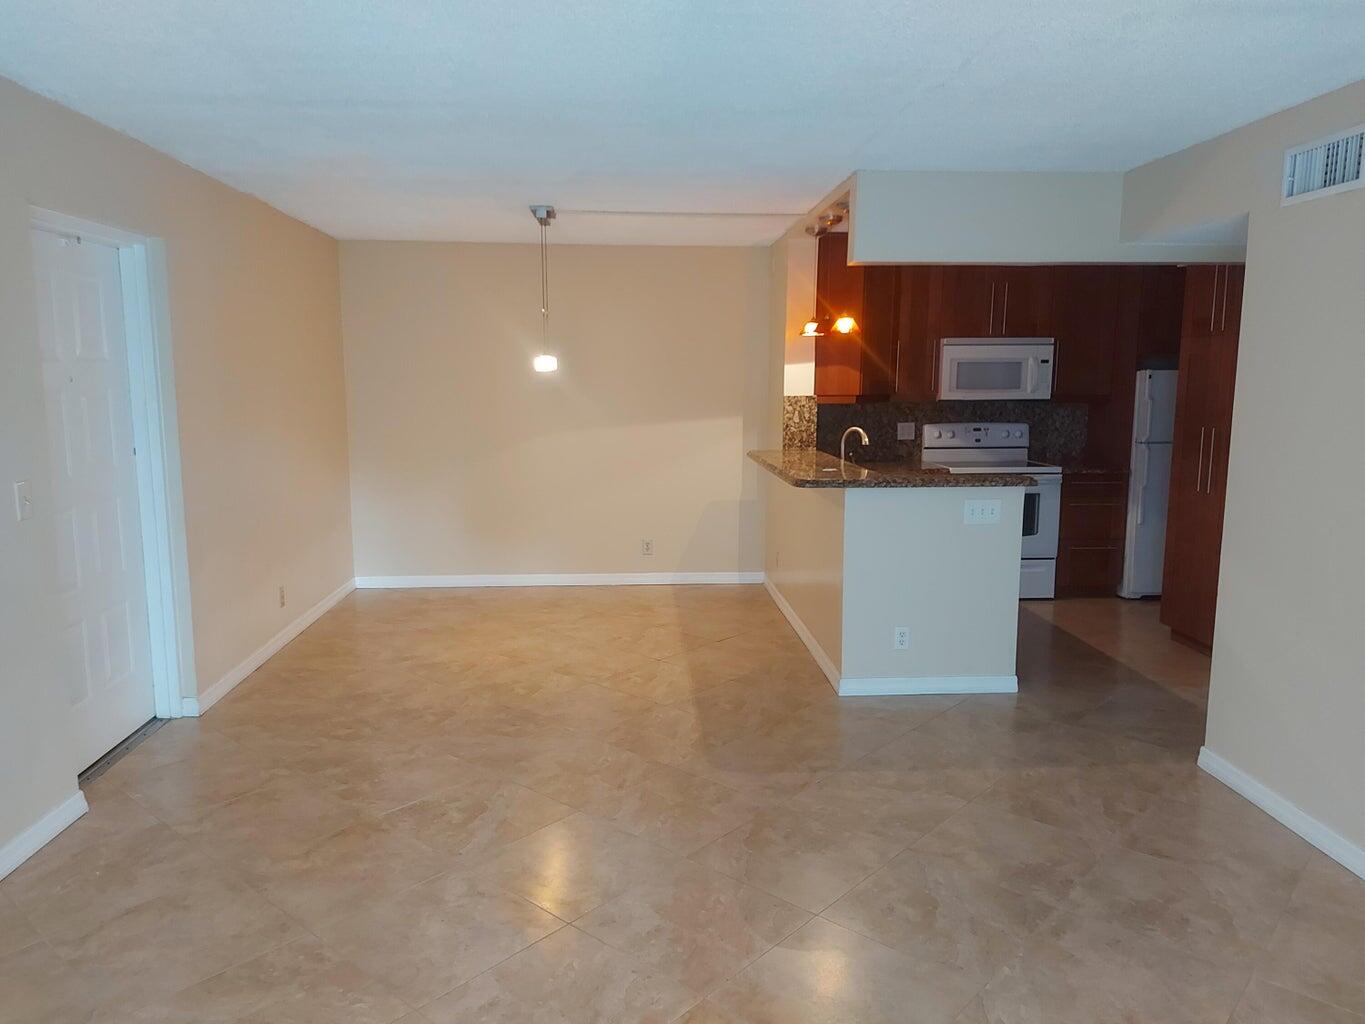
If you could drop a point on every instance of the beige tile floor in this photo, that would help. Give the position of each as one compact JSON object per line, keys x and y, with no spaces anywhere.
{"x":646,"y":804}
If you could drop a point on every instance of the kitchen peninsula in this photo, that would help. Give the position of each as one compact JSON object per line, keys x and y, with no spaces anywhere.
{"x":899,"y":578}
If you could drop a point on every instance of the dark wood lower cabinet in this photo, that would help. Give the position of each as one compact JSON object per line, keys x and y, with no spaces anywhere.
{"x":1090,"y":539}
{"x":1089,"y":570}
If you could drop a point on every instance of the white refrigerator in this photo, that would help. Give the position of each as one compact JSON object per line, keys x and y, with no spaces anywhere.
{"x":1149,"y":486}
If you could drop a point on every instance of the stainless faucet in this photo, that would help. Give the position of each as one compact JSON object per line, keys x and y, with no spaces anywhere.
{"x":843,"y":441}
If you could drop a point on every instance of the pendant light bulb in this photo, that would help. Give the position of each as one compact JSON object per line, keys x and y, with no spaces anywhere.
{"x":546,"y":361}
{"x":812,"y":329}
{"x":845,"y":324}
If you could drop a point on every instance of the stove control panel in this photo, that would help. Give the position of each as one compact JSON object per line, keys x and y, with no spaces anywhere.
{"x":975,"y":435}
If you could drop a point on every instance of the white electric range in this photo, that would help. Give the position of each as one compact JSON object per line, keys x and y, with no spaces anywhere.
{"x":1003,"y":448}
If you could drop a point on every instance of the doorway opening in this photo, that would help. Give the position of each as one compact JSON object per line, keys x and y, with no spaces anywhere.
{"x":117,"y":506}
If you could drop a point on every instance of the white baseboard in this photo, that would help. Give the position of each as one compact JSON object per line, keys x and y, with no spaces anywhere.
{"x":885,"y":686}
{"x":558,"y":579}
{"x":896,"y":686}
{"x":817,"y":652}
{"x":193,"y":706}
{"x":1335,"y":845}
{"x":41,"y":832}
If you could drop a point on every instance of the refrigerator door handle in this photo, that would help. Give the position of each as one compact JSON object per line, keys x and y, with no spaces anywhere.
{"x":1139,"y":497}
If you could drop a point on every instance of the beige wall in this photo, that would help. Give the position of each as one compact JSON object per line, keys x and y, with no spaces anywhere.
{"x":464,"y":461}
{"x":910,"y":560}
{"x":254,"y":305}
{"x":1288,"y":692}
{"x":854,"y":564}
{"x":778,"y":300}
{"x":999,"y":217}
{"x":804,"y":559}
{"x":796,"y":273}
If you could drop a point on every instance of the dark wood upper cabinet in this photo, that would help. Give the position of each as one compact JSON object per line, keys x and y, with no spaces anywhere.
{"x":1160,"y":312}
{"x":1085,"y":324}
{"x":1213,"y":300}
{"x":1150,"y":310}
{"x":838,"y":292}
{"x":992,"y":302}
{"x":1025,"y":302}
{"x":1230,"y":302}
{"x":861,"y":363}
{"x":1100,"y":315}
{"x":877,"y":330}
{"x":960,"y":301}
{"x":1202,"y":290}
{"x":917,"y":333}
{"x":963,"y":301}
{"x":838,"y":287}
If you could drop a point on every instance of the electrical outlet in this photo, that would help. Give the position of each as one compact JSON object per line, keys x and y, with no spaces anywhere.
{"x":281,"y":597}
{"x":981,"y":511}
{"x":646,"y":547}
{"x":23,"y":500}
{"x":905,"y":431}
{"x":900,"y":638}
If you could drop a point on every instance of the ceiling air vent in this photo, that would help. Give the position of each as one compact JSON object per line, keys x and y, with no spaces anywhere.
{"x":1323,"y":167}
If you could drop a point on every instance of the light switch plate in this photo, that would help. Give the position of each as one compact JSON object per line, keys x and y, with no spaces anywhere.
{"x":981,"y":511}
{"x":23,"y":501}
{"x":905,"y":431}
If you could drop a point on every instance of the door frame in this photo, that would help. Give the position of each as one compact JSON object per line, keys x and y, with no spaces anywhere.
{"x":156,"y":440}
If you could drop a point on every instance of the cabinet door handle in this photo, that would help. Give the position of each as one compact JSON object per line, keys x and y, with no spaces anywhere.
{"x":1223,"y":317}
{"x":896,"y":380}
{"x":1213,"y":444}
{"x":1005,"y":309}
{"x":1199,"y":472}
{"x":991,"y":328}
{"x":1213,"y":302}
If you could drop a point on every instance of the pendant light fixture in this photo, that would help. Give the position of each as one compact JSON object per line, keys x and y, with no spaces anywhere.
{"x":546,"y":361}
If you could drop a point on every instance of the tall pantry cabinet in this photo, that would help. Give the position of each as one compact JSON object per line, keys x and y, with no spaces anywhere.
{"x":1199,"y":457}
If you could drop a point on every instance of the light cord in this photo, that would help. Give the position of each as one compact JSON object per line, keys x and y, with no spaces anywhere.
{"x":544,"y":289}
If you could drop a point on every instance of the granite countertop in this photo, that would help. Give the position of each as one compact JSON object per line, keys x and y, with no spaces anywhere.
{"x":809,"y":467}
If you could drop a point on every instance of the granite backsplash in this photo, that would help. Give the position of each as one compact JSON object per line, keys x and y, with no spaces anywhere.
{"x":799,"y":414}
{"x":1057,"y":430}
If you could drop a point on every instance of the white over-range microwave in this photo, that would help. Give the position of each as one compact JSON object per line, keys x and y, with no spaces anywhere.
{"x":995,"y":369}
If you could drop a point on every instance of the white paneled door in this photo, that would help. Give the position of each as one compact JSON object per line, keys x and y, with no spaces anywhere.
{"x":102,"y":590}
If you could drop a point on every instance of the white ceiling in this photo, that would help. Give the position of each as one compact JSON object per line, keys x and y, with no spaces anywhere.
{"x":443,"y":119}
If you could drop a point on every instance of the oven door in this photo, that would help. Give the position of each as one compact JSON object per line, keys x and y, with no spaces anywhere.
{"x":995,"y":370}
{"x":1042,"y":518}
